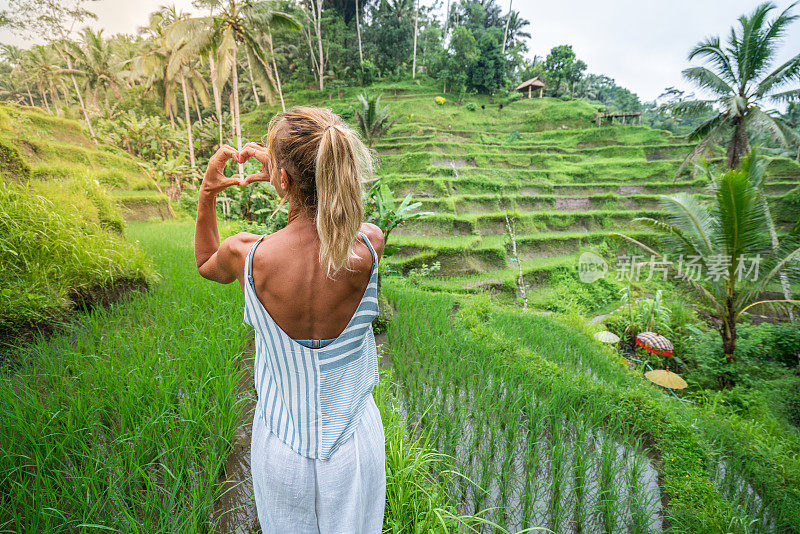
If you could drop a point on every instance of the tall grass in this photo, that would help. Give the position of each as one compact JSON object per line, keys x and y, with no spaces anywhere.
{"x":57,"y":248}
{"x":123,"y":421}
{"x":524,"y":445}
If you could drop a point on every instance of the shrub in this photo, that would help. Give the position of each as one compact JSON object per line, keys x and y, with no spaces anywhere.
{"x":440,"y":100}
{"x":470,"y":106}
{"x":760,"y":354}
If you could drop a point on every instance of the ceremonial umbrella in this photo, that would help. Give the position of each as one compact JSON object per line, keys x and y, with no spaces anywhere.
{"x":655,"y":343}
{"x":667,"y":379}
{"x":606,"y":337}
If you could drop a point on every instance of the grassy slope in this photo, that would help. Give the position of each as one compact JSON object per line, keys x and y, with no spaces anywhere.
{"x":61,"y":233}
{"x":567,"y":183}
{"x":37,"y":147}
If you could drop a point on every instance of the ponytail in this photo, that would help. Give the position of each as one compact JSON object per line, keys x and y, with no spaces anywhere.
{"x":328,"y":162}
{"x":342,"y":160}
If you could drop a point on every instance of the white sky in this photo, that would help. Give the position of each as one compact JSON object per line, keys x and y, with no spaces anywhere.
{"x":642,"y":44}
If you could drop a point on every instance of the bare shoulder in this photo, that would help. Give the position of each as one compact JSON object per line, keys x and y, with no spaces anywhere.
{"x":238,"y":245}
{"x":375,"y":236}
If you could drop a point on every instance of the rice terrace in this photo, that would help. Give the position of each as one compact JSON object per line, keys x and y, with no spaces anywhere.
{"x":588,"y":311}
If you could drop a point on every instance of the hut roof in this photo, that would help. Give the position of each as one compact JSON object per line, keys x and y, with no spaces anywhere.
{"x":533,"y":82}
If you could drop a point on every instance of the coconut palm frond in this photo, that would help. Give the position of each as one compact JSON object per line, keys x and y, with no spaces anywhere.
{"x":261,"y":69}
{"x":739,"y":217}
{"x":788,"y":71}
{"x":668,"y":229}
{"x":688,"y":108}
{"x":711,"y":50}
{"x":373,"y":121}
{"x":707,"y":80}
{"x":685,"y":212}
{"x":769,"y":124}
{"x":786,"y":96}
{"x":702,"y":291}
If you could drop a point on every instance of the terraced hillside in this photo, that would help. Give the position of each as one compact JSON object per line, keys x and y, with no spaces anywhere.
{"x":566,"y":185}
{"x":566,"y":182}
{"x":40,"y":148}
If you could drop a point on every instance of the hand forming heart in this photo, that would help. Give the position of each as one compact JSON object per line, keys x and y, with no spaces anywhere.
{"x":215,"y":180}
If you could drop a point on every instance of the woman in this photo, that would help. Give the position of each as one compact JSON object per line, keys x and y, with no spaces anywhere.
{"x":317,"y":451}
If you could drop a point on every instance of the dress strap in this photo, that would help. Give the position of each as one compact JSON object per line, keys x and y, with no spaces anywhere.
{"x":371,"y":250}
{"x":249,"y":261}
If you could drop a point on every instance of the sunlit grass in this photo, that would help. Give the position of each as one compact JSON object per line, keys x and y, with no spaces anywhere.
{"x":124,"y":420}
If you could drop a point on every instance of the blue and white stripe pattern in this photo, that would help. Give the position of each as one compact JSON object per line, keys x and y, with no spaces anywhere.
{"x":313,"y":399}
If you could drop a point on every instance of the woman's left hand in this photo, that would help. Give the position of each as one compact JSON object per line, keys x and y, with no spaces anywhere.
{"x":214,"y":180}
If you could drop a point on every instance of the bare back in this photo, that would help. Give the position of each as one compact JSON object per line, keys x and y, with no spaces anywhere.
{"x":293,"y":287}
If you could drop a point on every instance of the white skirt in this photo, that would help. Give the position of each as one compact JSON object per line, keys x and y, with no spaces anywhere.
{"x":296,"y":494}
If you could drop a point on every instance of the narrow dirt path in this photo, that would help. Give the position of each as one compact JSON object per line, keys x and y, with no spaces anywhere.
{"x":236,"y":509}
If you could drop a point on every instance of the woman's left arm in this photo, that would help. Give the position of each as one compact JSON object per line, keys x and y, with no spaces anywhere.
{"x":214,"y":261}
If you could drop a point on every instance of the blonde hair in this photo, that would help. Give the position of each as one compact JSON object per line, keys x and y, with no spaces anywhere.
{"x":328,"y":162}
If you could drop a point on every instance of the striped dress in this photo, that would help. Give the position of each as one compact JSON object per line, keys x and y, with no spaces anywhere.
{"x":317,"y":450}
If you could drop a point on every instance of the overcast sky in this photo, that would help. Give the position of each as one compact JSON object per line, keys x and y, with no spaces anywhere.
{"x":642,"y":44}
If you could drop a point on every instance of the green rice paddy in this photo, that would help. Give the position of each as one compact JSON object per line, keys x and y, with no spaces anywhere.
{"x":497,"y":419}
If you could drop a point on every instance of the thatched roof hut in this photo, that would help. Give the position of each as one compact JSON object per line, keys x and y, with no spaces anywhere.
{"x":530,"y":85}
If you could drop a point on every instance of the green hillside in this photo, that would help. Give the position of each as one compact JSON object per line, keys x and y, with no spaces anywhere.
{"x":37,"y":147}
{"x":565,"y":181}
{"x":561,"y":431}
{"x":61,"y":230}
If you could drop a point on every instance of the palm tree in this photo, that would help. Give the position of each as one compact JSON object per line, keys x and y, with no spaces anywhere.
{"x":738,"y":77}
{"x":756,"y":171}
{"x":221,"y":36}
{"x":727,"y":240}
{"x":151,"y":63}
{"x":43,"y":62}
{"x":515,"y":30}
{"x":373,"y":122}
{"x":95,"y":64}
{"x":19,"y":85}
{"x":182,"y":66}
{"x":265,"y":14}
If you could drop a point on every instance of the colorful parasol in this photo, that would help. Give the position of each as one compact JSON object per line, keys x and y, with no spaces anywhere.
{"x":655,"y":343}
{"x":666,"y":379}
{"x":606,"y":337}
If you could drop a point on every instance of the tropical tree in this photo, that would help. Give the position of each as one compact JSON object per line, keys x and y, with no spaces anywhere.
{"x":18,"y":87}
{"x":372,"y":120}
{"x":722,"y":249}
{"x":53,"y":21}
{"x":757,"y":166}
{"x":739,"y":77}
{"x":183,"y":67}
{"x":158,"y":53}
{"x":45,"y":62}
{"x":558,"y":64}
{"x":266,"y":15}
{"x":515,"y":33}
{"x":220,"y":36}
{"x":95,"y":64}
